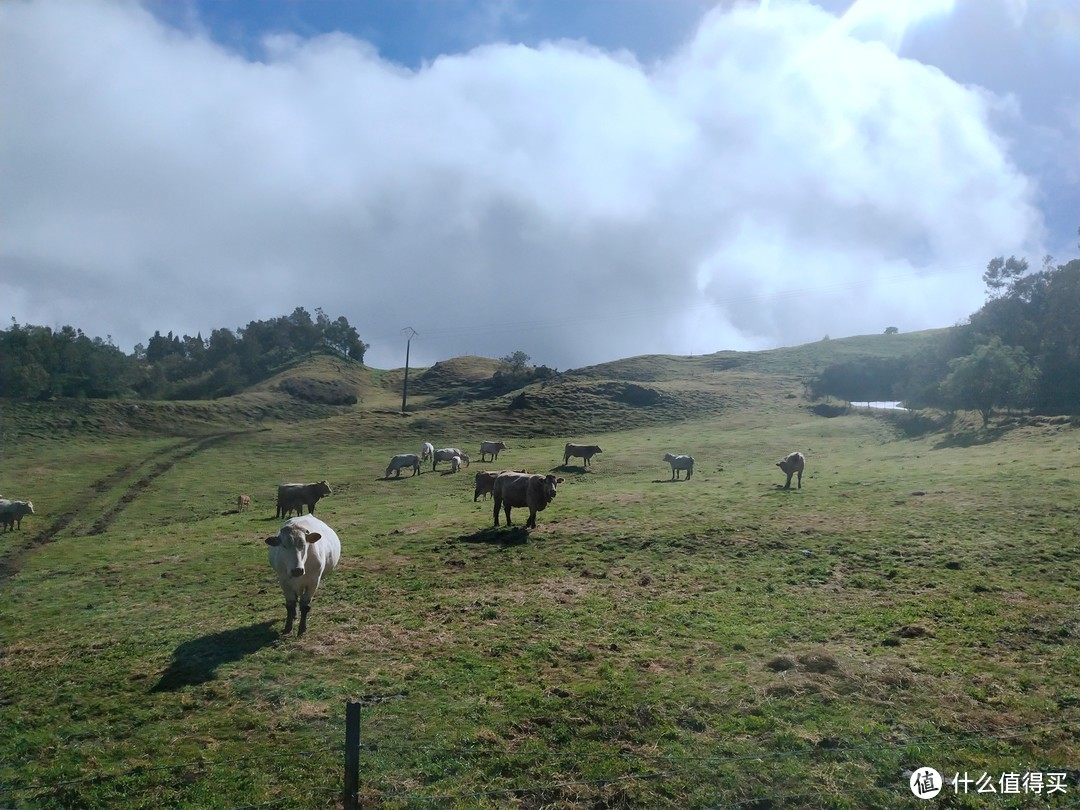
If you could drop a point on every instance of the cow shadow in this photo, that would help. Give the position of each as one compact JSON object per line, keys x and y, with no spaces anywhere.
{"x":393,"y":478}
{"x":670,"y":480}
{"x":568,"y":468}
{"x":196,"y":661}
{"x":504,"y":537}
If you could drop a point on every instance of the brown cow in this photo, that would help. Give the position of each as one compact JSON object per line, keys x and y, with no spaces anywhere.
{"x":583,"y":451}
{"x":296,"y":496}
{"x":519,"y":489}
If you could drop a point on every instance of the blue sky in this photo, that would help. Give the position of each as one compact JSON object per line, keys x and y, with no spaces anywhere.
{"x":579,"y":181}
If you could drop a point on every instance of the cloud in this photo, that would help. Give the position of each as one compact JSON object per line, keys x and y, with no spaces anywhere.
{"x":772,"y":181}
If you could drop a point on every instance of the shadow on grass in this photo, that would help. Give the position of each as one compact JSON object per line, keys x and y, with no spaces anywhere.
{"x":501,"y":536}
{"x":781,"y":488}
{"x":971,"y":438}
{"x":670,"y":480}
{"x":196,"y":661}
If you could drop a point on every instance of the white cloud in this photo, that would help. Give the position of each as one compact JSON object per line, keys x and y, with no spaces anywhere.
{"x":773,"y":181}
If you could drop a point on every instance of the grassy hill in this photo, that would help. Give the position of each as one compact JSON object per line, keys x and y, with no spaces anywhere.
{"x":715,"y":642}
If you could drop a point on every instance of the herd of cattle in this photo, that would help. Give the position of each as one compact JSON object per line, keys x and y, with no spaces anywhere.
{"x":305,"y":549}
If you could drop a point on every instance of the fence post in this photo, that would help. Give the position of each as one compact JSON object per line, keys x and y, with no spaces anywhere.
{"x":352,"y":755}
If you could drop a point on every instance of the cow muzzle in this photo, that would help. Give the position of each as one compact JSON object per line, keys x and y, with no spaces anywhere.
{"x":297,"y":572}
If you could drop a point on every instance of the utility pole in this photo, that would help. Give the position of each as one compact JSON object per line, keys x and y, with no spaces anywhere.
{"x":405,"y":390}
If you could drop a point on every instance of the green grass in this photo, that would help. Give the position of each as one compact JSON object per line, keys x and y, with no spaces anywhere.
{"x":652,"y":643}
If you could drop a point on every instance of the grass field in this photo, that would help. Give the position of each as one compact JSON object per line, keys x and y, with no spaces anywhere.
{"x":717,"y":642}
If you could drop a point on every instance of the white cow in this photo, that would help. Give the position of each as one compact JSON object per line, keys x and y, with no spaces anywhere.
{"x":12,"y":512}
{"x":403,"y":460}
{"x":455,"y":464}
{"x":680,"y":463}
{"x":428,"y":451}
{"x":302,"y":552}
{"x":446,"y":454}
{"x":491,"y":449}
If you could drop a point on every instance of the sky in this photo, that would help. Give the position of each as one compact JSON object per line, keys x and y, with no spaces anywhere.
{"x":579,"y":181}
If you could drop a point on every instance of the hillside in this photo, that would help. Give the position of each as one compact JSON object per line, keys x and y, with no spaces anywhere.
{"x":632,"y":392}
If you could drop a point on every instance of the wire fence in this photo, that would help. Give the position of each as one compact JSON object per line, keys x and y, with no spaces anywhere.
{"x":656,"y":766}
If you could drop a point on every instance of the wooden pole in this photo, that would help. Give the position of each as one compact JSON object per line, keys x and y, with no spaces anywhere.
{"x":352,"y":755}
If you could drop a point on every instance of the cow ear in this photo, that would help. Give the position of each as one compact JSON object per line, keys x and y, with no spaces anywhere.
{"x":559,"y":480}
{"x":313,"y":536}
{"x":273,"y":541}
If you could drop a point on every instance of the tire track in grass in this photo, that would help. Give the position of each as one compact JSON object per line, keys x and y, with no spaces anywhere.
{"x":127,"y":476}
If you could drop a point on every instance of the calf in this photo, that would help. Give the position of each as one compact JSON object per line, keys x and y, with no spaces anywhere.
{"x":302,"y":552}
{"x":520,"y":489}
{"x":792,"y":464}
{"x":242,"y":502}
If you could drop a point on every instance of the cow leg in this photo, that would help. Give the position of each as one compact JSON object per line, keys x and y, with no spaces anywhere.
{"x":800,"y":479}
{"x":531,"y":522}
{"x":305,"y":609}
{"x":290,"y":616}
{"x":498,"y":506}
{"x":506,"y":508}
{"x":788,"y":484}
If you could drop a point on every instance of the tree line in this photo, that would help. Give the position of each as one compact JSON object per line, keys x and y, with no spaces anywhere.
{"x":1020,"y":350}
{"x":38,"y":362}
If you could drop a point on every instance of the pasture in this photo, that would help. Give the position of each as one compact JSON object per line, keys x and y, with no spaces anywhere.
{"x":717,"y":642}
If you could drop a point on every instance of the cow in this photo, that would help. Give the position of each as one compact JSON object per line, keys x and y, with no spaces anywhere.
{"x":520,"y":489}
{"x":446,"y":454}
{"x":792,"y":464}
{"x":12,"y":513}
{"x":485,"y":482}
{"x":455,"y":464}
{"x":583,"y":451}
{"x":403,"y":460}
{"x":296,"y":496}
{"x":428,"y":451}
{"x":491,"y":449}
{"x":680,"y":463}
{"x":242,"y":502}
{"x":302,"y":552}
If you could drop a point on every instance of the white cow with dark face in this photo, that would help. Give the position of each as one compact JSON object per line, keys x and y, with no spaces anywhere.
{"x":302,"y":552}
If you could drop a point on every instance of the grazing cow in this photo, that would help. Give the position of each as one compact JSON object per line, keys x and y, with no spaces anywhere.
{"x":455,"y":464}
{"x":403,"y":460}
{"x":446,"y":454}
{"x":583,"y":451}
{"x":680,"y":463}
{"x":491,"y":449}
{"x":302,"y":552}
{"x":242,"y":502}
{"x":12,"y":513}
{"x":792,"y":464}
{"x":520,"y":489}
{"x":428,"y":451}
{"x":296,"y":496}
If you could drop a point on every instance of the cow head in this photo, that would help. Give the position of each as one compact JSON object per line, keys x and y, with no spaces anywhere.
{"x":293,"y":541}
{"x":550,"y":483}
{"x":323,"y":488}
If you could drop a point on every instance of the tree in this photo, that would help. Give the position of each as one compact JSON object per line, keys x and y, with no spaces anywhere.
{"x":891,"y":330}
{"x":993,"y":375}
{"x":517,"y":361}
{"x":1002,"y":274}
